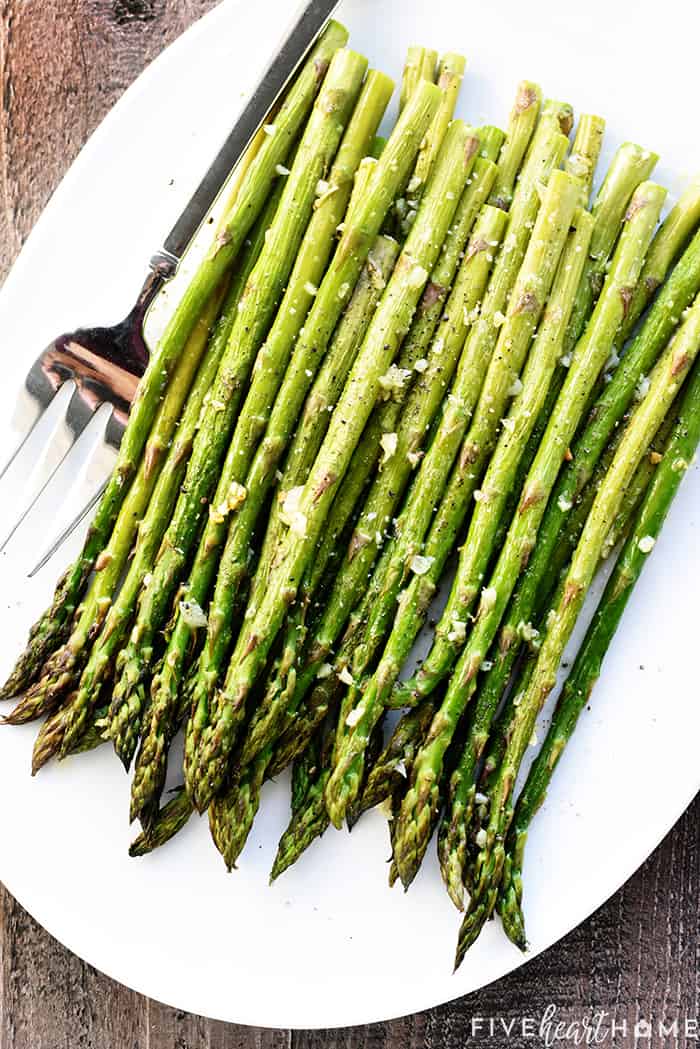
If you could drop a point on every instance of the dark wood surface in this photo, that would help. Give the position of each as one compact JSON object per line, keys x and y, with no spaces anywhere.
{"x":63,"y":63}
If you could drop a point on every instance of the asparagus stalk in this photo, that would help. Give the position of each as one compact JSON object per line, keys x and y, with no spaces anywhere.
{"x":637,"y":489}
{"x":600,"y":335}
{"x":420,"y":65}
{"x":420,"y":410}
{"x":309,"y":513}
{"x":152,"y":760}
{"x":304,"y":771}
{"x":415,"y":346}
{"x":517,"y":428}
{"x":309,"y":817}
{"x":62,"y":671}
{"x":357,"y":239}
{"x":671,"y":238}
{"x":417,"y":812}
{"x":299,"y":295}
{"x":51,"y":736}
{"x":423,"y":328}
{"x":329,"y":384}
{"x":151,"y":764}
{"x":171,"y":819}
{"x":583,"y":159}
{"x":231,"y":813}
{"x":449,"y":80}
{"x":532,"y":288}
{"x":387,"y":775}
{"x":304,"y":827}
{"x":53,"y":626}
{"x":630,"y":166}
{"x":456,"y":822}
{"x":415,"y":349}
{"x":678,"y":454}
{"x":263,"y":291}
{"x":521,"y":125}
{"x":421,"y":406}
{"x":143,"y":506}
{"x":666,"y":380}
{"x":546,"y":151}
{"x":556,"y":531}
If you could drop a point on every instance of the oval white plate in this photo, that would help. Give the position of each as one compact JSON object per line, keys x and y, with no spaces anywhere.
{"x":330,"y":944}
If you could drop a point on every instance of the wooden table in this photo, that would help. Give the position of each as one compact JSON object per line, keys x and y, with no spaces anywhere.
{"x":63,"y":63}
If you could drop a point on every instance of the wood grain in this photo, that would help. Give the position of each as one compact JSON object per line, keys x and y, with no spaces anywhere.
{"x":63,"y":63}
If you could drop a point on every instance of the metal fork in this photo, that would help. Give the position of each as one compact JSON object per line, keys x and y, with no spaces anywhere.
{"x":102,"y":366}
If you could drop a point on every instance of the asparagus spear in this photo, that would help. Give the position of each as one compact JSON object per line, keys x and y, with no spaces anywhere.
{"x":417,"y":811}
{"x":152,"y":760}
{"x":456,"y":822}
{"x":52,"y":734}
{"x":62,"y":671}
{"x":629,"y":167}
{"x":531,"y":290}
{"x":608,"y":209}
{"x":415,"y":349}
{"x":308,"y":514}
{"x":299,"y":295}
{"x":423,"y":328}
{"x":340,"y":278}
{"x":387,"y":775}
{"x":606,"y":319}
{"x":668,"y":243}
{"x":666,"y":380}
{"x":521,"y":125}
{"x":304,"y":771}
{"x":49,"y":632}
{"x":231,"y":813}
{"x":263,"y":291}
{"x":678,"y":454}
{"x":455,"y":825}
{"x":583,"y":159}
{"x":309,"y":817}
{"x":545,"y":153}
{"x":328,"y":386}
{"x":151,"y":764}
{"x":449,"y":80}
{"x":171,"y":819}
{"x":679,"y":290}
{"x":671,"y":238}
{"x":421,"y":406}
{"x":420,"y":65}
{"x":419,"y":411}
{"x":479,"y":544}
{"x":415,"y":346}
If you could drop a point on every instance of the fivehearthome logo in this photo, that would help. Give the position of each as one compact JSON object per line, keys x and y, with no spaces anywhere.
{"x":598,"y":1027}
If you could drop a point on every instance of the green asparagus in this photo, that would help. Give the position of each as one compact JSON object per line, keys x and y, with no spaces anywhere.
{"x":308,"y":513}
{"x":417,"y":812}
{"x":665,"y":382}
{"x":52,"y":628}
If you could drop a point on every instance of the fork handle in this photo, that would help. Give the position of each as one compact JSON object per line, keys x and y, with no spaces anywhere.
{"x":305,"y":30}
{"x":129,"y":334}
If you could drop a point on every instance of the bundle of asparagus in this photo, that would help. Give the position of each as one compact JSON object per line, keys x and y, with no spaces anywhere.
{"x":396,"y":352}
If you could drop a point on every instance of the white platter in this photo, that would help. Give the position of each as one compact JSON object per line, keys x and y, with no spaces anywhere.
{"x":330,"y":944}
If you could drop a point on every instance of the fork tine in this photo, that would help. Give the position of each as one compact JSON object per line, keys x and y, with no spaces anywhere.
{"x":35,"y":429}
{"x":67,"y":532}
{"x":51,"y":463}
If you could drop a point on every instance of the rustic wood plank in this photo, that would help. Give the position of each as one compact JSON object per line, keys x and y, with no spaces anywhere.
{"x":62,"y":66}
